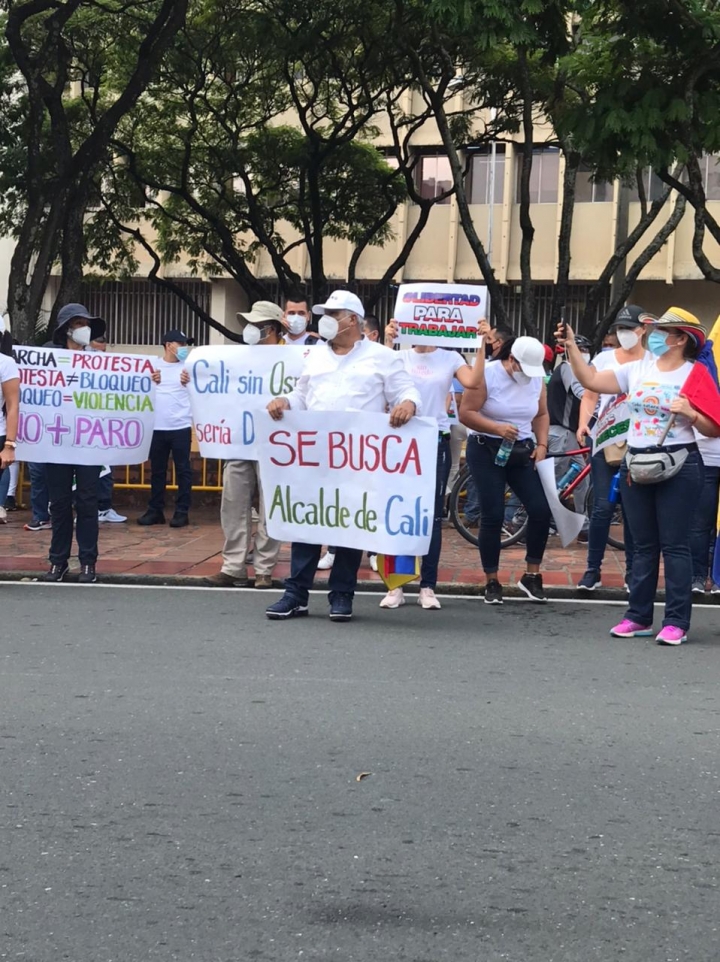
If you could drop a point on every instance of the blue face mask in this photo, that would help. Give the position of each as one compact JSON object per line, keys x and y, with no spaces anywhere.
{"x":657,"y":343}
{"x":182,"y":353}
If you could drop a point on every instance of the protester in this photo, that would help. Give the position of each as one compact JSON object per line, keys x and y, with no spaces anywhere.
{"x":497,"y":337}
{"x":662,"y":425}
{"x":628,"y":330}
{"x":39,"y":497}
{"x":296,"y":318}
{"x":510,"y":406}
{"x":172,"y":434}
{"x":8,"y":487}
{"x":348,"y":373}
{"x":106,"y":513}
{"x":432,"y":372}
{"x":265,"y":324}
{"x":10,"y":408}
{"x":371,"y":327}
{"x":703,"y":527}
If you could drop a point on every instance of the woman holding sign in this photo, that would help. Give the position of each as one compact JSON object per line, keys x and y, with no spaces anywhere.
{"x":432,"y":371}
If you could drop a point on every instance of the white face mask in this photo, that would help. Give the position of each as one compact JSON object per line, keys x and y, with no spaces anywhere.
{"x":521,"y":377}
{"x":297,"y":323}
{"x":251,"y":334}
{"x":585,"y":357}
{"x":628,"y":339}
{"x":328,"y":327}
{"x":81,"y":336}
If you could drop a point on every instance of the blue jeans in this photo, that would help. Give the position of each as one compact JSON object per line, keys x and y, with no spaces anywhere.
{"x":39,"y":494}
{"x":429,"y":569}
{"x":490,"y":481}
{"x":602,"y":515}
{"x":658,"y":517}
{"x":60,"y":483}
{"x":704,"y":521}
{"x":472,"y":503}
{"x":303,"y":565}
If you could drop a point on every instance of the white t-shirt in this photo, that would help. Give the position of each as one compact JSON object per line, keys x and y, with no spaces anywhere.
{"x":607,"y":361}
{"x":432,"y":375}
{"x":650,"y":393}
{"x":299,"y":341}
{"x":510,"y":402}
{"x":172,"y":399}
{"x":8,"y":372}
{"x":709,"y":449}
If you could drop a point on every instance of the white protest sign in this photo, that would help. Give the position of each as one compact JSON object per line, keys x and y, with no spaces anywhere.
{"x":568,"y":523}
{"x":440,"y":315}
{"x":229,"y":385}
{"x":613,"y":424}
{"x":84,"y":407}
{"x":349,"y":479}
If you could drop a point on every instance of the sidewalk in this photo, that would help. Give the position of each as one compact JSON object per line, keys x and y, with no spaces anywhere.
{"x":186,"y":555}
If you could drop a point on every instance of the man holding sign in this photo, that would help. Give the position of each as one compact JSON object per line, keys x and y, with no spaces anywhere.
{"x":348,"y":373}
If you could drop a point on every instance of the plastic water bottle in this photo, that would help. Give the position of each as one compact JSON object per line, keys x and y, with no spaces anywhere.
{"x":614,"y":493}
{"x":572,"y":472}
{"x":504,"y":452}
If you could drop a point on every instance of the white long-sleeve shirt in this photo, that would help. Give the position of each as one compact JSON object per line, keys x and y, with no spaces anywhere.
{"x":368,"y":378}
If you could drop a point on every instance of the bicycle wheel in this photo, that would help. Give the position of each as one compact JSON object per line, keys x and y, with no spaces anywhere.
{"x":612,"y":541}
{"x":512,"y":530}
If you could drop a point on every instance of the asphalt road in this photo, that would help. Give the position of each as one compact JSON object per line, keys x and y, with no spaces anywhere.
{"x":179,"y":782}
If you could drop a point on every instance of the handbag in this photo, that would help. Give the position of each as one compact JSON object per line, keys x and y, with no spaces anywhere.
{"x":654,"y":465}
{"x":615,"y":452}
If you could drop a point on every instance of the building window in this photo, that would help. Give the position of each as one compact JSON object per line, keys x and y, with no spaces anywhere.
{"x":589,"y":191}
{"x":543,"y":177}
{"x":434,"y":176}
{"x":654,"y":187}
{"x":481,"y":165}
{"x":710,"y":169}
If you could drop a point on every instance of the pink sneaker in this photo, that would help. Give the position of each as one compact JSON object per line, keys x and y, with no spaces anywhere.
{"x":631,"y":629}
{"x":670,"y":635}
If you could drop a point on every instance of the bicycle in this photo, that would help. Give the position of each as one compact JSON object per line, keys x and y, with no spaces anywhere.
{"x":514,"y":527}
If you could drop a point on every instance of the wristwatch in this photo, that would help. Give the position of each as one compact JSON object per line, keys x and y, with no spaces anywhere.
{"x":11,"y":444}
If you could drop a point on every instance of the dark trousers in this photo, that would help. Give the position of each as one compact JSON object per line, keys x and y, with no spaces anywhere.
{"x":658,"y":517}
{"x":602,"y":515}
{"x":60,"y":483}
{"x":105,"y":492}
{"x":303,"y":565}
{"x":429,"y":569}
{"x":39,"y":496}
{"x":704,"y":521}
{"x":490,"y":481}
{"x":165,"y":443}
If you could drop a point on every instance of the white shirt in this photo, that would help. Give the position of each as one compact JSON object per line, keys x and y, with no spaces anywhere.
{"x":709,"y":449}
{"x":432,"y":374}
{"x":650,"y":393}
{"x":299,"y":341}
{"x":8,"y":372}
{"x":510,"y":402}
{"x":370,"y":377}
{"x":607,"y":361}
{"x":172,"y":399}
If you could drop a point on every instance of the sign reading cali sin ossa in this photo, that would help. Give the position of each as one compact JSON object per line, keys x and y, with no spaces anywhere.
{"x":229,"y":385}
{"x":84,"y":407}
{"x":440,"y":315}
{"x":349,"y":479}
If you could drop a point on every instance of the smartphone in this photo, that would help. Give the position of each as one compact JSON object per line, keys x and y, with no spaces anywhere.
{"x":562,"y":327}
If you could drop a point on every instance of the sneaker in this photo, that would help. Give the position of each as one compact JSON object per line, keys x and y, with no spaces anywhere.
{"x":37,"y":525}
{"x":631,"y":629}
{"x":263,"y":581}
{"x":698,"y":586}
{"x":224,"y":580}
{"x":286,"y":607}
{"x":111,"y":517}
{"x":427,"y":599}
{"x":179,"y":520}
{"x":715,"y":590}
{"x":56,"y":572}
{"x":10,"y":503}
{"x":590,"y":580}
{"x":493,"y":592}
{"x":151,"y":517}
{"x":340,"y":606}
{"x":373,"y":561}
{"x":87,"y":575}
{"x":326,"y":561}
{"x":532,"y":585}
{"x":670,"y":635}
{"x":393,"y":599}
{"x":3,"y":516}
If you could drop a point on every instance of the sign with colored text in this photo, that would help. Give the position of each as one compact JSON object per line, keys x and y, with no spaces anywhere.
{"x":349,"y":479}
{"x":84,"y":407}
{"x":440,"y":315}
{"x":613,"y":424}
{"x":229,"y":385}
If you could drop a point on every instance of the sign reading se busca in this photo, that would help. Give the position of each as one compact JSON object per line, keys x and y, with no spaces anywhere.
{"x":440,"y":315}
{"x":349,"y":479}
{"x":229,"y":385}
{"x":84,"y":407}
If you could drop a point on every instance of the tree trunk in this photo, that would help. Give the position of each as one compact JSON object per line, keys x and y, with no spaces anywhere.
{"x":526,"y":224}
{"x":562,"y":282}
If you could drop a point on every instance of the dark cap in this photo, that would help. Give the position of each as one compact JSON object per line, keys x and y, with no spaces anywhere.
{"x":631,"y":316}
{"x":177,"y":337}
{"x":69,"y":313}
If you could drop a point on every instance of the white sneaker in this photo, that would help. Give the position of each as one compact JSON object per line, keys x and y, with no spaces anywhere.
{"x":427,"y":599}
{"x":326,"y":561}
{"x":393,"y":599}
{"x":3,"y":516}
{"x":373,"y":562}
{"x":110,"y":517}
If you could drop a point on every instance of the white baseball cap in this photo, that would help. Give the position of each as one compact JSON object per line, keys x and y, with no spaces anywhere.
{"x":341,"y":301}
{"x":530,"y":354}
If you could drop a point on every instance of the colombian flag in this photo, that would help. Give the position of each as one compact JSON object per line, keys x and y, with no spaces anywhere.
{"x":398,"y":570}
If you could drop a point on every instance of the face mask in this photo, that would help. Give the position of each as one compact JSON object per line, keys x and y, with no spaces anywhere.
{"x":182,"y":353}
{"x":488,"y":349}
{"x":81,"y":336}
{"x":657,"y":343}
{"x":328,"y":327}
{"x":585,"y":357}
{"x":251,"y":334}
{"x":521,"y":377}
{"x":297,"y":323}
{"x":628,"y":339}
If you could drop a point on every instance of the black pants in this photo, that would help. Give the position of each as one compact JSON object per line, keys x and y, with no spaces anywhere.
{"x":303,"y":565}
{"x":165,"y":443}
{"x":60,"y":483}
